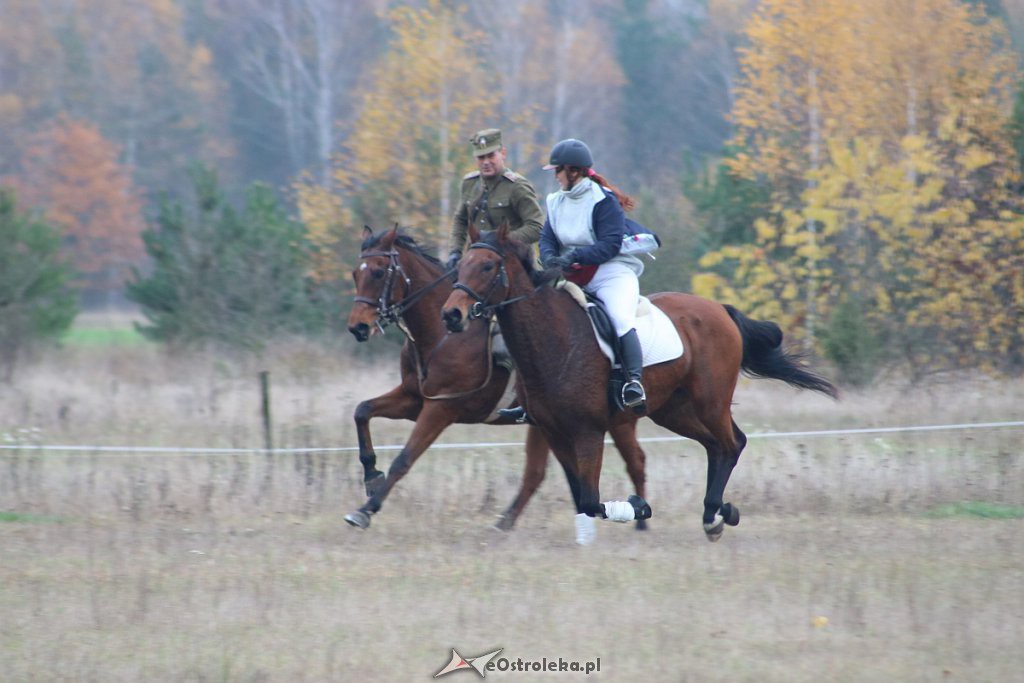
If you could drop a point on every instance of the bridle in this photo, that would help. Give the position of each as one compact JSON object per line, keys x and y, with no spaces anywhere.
{"x":480,"y":307}
{"x":391,"y":314}
{"x":388,"y":313}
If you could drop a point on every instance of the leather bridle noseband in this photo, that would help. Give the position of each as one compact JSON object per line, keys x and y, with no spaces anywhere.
{"x":480,"y":307}
{"x":388,"y":313}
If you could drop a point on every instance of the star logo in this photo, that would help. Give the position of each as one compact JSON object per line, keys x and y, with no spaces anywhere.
{"x":460,"y":662}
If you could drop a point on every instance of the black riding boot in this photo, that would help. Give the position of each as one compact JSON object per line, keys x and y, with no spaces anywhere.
{"x":633,"y":395}
{"x":518,"y":414}
{"x":499,"y":351}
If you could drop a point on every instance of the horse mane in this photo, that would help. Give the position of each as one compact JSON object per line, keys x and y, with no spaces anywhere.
{"x":403,"y":239}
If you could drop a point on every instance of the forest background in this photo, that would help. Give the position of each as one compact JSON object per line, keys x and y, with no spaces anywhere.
{"x":850,"y":170}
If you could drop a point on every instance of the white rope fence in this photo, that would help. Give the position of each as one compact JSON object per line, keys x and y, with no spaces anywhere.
{"x":170,"y":450}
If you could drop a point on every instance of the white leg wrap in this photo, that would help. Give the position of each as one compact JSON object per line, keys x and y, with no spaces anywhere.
{"x":586,"y":530}
{"x":619,"y":511}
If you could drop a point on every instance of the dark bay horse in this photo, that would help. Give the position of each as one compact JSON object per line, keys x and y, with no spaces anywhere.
{"x":564,"y":373}
{"x":446,"y":379}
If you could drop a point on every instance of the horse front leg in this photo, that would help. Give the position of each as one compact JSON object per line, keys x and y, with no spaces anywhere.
{"x":589,"y":456}
{"x":624,"y":436}
{"x":534,"y":470}
{"x":433,"y":419}
{"x":586,"y":530}
{"x":397,"y":404}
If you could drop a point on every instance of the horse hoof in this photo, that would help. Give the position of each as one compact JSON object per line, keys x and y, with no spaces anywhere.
{"x":358,"y":519}
{"x":505,"y":522}
{"x":713,"y":530}
{"x":641,"y":525}
{"x":731,"y":513}
{"x":641,"y":510}
{"x":374,"y":484}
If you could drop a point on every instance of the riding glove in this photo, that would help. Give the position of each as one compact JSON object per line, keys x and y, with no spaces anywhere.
{"x":453,"y":259}
{"x":559,"y":262}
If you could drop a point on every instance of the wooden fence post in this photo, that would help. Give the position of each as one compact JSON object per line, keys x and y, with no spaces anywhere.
{"x":268,"y":442}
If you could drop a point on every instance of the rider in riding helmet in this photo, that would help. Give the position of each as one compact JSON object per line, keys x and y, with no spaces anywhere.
{"x":582,"y":237}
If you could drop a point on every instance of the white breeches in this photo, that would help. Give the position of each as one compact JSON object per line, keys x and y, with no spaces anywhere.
{"x":618,"y":288}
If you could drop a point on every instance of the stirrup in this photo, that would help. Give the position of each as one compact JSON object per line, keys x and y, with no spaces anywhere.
{"x":518,"y":414}
{"x":637,"y":390}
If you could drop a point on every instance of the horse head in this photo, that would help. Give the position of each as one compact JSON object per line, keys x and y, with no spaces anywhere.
{"x":483,"y":283}
{"x":375,"y":282}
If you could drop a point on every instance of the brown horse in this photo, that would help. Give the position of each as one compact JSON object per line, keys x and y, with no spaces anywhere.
{"x":445,"y":378}
{"x":564,"y":374}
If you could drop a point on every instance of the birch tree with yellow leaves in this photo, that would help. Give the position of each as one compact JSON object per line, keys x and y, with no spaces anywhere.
{"x":410,"y":136}
{"x":880,"y":130}
{"x":402,"y":160}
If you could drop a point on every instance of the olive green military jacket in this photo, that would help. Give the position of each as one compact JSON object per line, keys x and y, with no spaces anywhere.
{"x":509,"y":197}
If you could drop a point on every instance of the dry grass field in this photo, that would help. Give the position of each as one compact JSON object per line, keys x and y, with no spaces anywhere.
{"x":866,"y":557}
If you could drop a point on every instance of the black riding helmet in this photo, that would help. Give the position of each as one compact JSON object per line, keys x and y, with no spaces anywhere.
{"x":571,"y":152}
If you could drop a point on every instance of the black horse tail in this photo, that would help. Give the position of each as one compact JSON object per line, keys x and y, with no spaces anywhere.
{"x":764,"y":357}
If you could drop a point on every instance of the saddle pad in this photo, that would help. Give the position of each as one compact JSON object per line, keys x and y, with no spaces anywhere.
{"x":658,"y":337}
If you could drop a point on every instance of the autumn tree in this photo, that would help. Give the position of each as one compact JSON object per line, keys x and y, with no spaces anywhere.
{"x":72,"y":172}
{"x":148,"y":85}
{"x":36,"y":301}
{"x":880,"y":131}
{"x":554,"y":76}
{"x":534,"y":69}
{"x":30,"y":68}
{"x":134,"y":69}
{"x":299,"y":62}
{"x":410,"y":135}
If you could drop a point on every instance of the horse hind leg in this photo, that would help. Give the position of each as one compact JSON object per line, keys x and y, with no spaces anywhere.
{"x":624,"y":436}
{"x":723,"y":441}
{"x":534,"y":470}
{"x":723,"y":454}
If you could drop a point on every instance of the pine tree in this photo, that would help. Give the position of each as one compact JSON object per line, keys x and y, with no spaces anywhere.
{"x":233,"y":277}
{"x":36,"y":301}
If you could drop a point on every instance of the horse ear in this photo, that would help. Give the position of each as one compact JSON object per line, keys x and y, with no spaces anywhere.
{"x":392,"y":234}
{"x":367,"y":232}
{"x":503,"y":231}
{"x":474,"y":234}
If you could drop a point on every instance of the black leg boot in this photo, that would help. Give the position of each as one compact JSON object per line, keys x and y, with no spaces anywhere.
{"x":518,"y":413}
{"x":633,"y":395}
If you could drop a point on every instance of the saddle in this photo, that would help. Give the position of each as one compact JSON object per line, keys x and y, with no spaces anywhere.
{"x":658,"y":337}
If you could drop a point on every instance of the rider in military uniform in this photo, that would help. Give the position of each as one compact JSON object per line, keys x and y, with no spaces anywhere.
{"x":492,"y":195}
